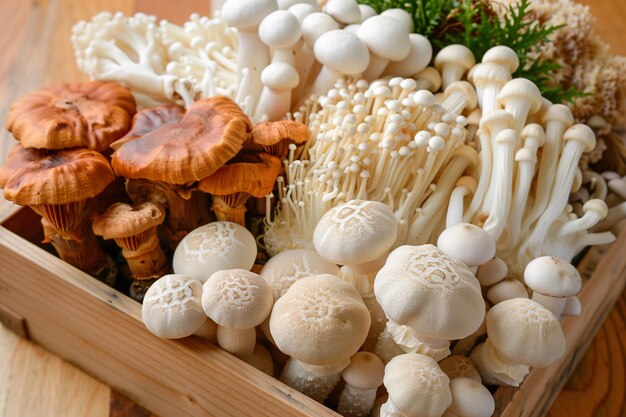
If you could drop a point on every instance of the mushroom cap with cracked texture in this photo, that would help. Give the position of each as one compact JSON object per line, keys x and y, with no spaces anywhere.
{"x":237,"y":298}
{"x":525,"y":332}
{"x":355,"y":232}
{"x":437,"y":296}
{"x":417,"y":386}
{"x":214,"y":247}
{"x":552,"y":276}
{"x":320,"y":320}
{"x":285,"y":268}
{"x":172,"y":307}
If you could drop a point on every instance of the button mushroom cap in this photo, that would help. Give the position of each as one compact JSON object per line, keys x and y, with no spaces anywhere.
{"x":320,"y":320}
{"x":365,"y":372}
{"x":385,"y":38}
{"x":453,"y":61}
{"x":87,"y":115}
{"x":506,"y":290}
{"x":552,"y":280}
{"x":492,"y":272}
{"x":214,"y":247}
{"x":417,"y":386}
{"x":470,"y":398}
{"x":342,"y":51}
{"x":468,"y":243}
{"x":280,"y":29}
{"x":401,"y":16}
{"x":355,"y":232}
{"x":418,"y":58}
{"x":282,"y":270}
{"x":315,"y":25}
{"x":343,"y":11}
{"x":525,"y":332}
{"x":246,"y":14}
{"x":280,"y":76}
{"x":422,"y":288}
{"x":237,"y":299}
{"x":172,"y":307}
{"x":503,"y":56}
{"x":366,"y":12}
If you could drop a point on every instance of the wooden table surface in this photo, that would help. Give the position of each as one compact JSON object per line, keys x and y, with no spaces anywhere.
{"x":35,"y":50}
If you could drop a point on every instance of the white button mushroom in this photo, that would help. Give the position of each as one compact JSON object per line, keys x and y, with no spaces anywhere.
{"x":521,"y":334}
{"x":470,"y":398}
{"x":386,"y":40}
{"x":420,"y":289}
{"x":238,"y":301}
{"x":419,"y":56}
{"x":552,"y":281}
{"x":467,"y":243}
{"x":345,"y":12}
{"x":401,"y":16}
{"x":320,"y":322}
{"x":214,"y":247}
{"x":363,"y":377}
{"x":278,"y":80}
{"x":366,"y":12}
{"x":172,"y":307}
{"x":453,"y":62}
{"x":280,"y":31}
{"x":417,"y":387}
{"x":341,"y":53}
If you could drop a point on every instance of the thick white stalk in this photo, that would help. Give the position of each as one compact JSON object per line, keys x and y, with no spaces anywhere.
{"x":312,"y":380}
{"x":254,"y":55}
{"x":464,"y":187}
{"x":554,"y":304}
{"x":325,"y":80}
{"x":354,"y":402}
{"x":485,"y":175}
{"x":376,"y":67}
{"x":239,"y":343}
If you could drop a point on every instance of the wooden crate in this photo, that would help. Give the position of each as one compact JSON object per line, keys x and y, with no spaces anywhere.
{"x":99,"y":330}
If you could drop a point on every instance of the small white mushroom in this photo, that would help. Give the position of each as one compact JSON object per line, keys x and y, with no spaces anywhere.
{"x":572,"y":307}
{"x":320,"y":322}
{"x":521,"y":334}
{"x":363,"y":377}
{"x":214,"y":247}
{"x":280,"y":31}
{"x":417,"y":387}
{"x":341,"y":53}
{"x":470,"y":398}
{"x":467,"y":243}
{"x":491,"y":272}
{"x":458,"y":97}
{"x":465,"y":186}
{"x":459,"y":366}
{"x":520,"y":97}
{"x":453,"y":61}
{"x":552,"y":281}
{"x":278,"y":80}
{"x":345,"y":12}
{"x":238,"y":301}
{"x":386,"y":41}
{"x":489,"y":79}
{"x":419,"y":56}
{"x":172,"y":307}
{"x":505,"y":290}
{"x":287,"y":4}
{"x":428,"y":79}
{"x":401,"y":16}
{"x":366,"y":12}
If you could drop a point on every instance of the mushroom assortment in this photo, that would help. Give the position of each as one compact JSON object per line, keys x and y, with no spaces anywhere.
{"x":420,"y":210}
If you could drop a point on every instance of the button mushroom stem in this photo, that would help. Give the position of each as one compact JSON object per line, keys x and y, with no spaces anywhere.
{"x":465,"y":186}
{"x":363,"y":377}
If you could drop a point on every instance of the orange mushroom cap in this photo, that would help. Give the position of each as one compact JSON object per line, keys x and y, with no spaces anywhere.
{"x":123,"y":220}
{"x":211,"y":132}
{"x":88,"y":115}
{"x":36,"y":177}
{"x":149,"y":120}
{"x":275,"y":137}
{"x":252,"y":173}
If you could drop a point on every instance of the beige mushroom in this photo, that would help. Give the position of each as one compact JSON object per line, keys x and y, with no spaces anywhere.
{"x":470,"y":398}
{"x":506,"y":289}
{"x":552,"y":280}
{"x":459,"y":366}
{"x":363,"y":377}
{"x":417,"y":387}
{"x":320,"y":322}
{"x":467,"y":243}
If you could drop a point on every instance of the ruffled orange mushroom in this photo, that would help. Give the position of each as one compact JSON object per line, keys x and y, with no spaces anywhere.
{"x":87,"y":115}
{"x":149,"y":120}
{"x":57,"y":186}
{"x":276,"y":137}
{"x":171,"y":158}
{"x":134,"y":229}
{"x":248,"y":174}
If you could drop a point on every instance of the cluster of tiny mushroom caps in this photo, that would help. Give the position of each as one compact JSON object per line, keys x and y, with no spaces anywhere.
{"x":370,"y":277}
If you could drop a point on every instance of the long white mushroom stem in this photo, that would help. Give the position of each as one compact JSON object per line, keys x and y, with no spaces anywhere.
{"x":486,"y":162}
{"x":465,"y":186}
{"x":313,"y":381}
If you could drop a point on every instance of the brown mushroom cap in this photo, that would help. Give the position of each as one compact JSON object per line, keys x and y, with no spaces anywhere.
{"x":210,"y":133}
{"x":275,"y":137}
{"x":123,"y":220}
{"x":151,"y":119}
{"x":251,"y":173}
{"x":91,"y":115}
{"x":18,"y":157}
{"x":53,"y":178}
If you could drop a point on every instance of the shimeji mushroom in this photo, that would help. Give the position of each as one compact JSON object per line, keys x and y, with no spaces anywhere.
{"x":386,"y":41}
{"x":428,"y":79}
{"x":278,"y":80}
{"x":417,"y":387}
{"x":59,"y":186}
{"x":470,"y":398}
{"x":505,"y":290}
{"x":401,"y":16}
{"x":214,"y":247}
{"x":173,"y":155}
{"x":346,"y":12}
{"x":172,"y":307}
{"x":489,"y":79}
{"x":467,"y":243}
{"x":320,"y":322}
{"x":459,"y":366}
{"x":521,"y":334}
{"x":521,"y":98}
{"x":417,"y":288}
{"x":459,"y":97}
{"x":453,"y":61}
{"x":366,"y":12}
{"x":237,"y":300}
{"x":363,"y":377}
{"x":280,"y":31}
{"x":464,"y":186}
{"x":552,"y":281}
{"x":134,"y":229}
{"x":419,"y":56}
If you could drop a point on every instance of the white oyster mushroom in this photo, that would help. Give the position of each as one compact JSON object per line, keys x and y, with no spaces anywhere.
{"x":453,"y":62}
{"x":552,"y":281}
{"x":345,"y":12}
{"x":419,"y":56}
{"x":417,"y":387}
{"x":420,"y":289}
{"x":386,"y":40}
{"x":320,"y":322}
{"x":285,"y":268}
{"x":238,"y":301}
{"x":214,"y":247}
{"x":172,"y":307}
{"x":363,"y":377}
{"x":521,"y":334}
{"x":470,"y":398}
